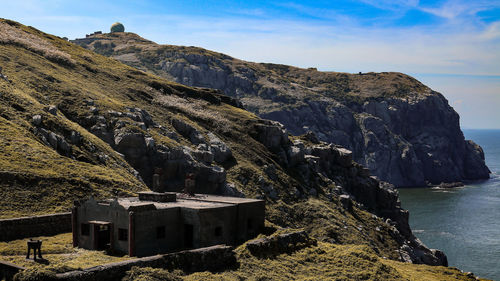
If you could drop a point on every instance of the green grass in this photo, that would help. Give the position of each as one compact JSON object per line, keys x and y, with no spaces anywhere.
{"x":322,"y":262}
{"x":35,"y":179}
{"x":325,"y":261}
{"x":59,"y":254}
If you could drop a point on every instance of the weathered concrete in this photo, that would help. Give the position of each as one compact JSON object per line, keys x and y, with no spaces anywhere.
{"x":213,"y":258}
{"x":166,"y":222}
{"x":8,"y":270}
{"x":47,"y":225}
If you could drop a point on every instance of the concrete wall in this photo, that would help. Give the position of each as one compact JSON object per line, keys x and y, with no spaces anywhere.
{"x":214,"y":258}
{"x":8,"y":270}
{"x":146,"y":224}
{"x":18,"y":228}
{"x":190,"y":216}
{"x":223,"y":218}
{"x":92,"y":210}
{"x":250,"y":220}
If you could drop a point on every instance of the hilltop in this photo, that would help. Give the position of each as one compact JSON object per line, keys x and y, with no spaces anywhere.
{"x":403,"y":131}
{"x":76,"y":124}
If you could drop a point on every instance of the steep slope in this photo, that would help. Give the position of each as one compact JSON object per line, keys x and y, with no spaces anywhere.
{"x":74,"y":123}
{"x":404,"y":132}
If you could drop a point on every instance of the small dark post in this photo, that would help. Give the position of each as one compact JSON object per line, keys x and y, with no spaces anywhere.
{"x":35,"y":245}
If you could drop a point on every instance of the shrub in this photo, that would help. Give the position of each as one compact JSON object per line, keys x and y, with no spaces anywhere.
{"x":150,"y":274}
{"x":35,"y":274}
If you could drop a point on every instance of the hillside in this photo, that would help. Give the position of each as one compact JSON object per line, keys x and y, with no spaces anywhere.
{"x":403,"y":131}
{"x":74,"y":124}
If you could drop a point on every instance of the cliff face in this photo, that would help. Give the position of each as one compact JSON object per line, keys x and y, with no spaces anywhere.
{"x":404,"y":132}
{"x":75,"y":124}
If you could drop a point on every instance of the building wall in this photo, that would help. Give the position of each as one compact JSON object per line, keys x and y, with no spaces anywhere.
{"x":230,"y":224}
{"x":92,"y":210}
{"x":146,"y":231}
{"x":190,"y":217}
{"x":218,"y":226}
{"x":250,"y":220}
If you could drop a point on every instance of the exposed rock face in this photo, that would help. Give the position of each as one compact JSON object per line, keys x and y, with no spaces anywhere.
{"x":333,"y":163}
{"x":404,"y":132}
{"x":278,"y":244}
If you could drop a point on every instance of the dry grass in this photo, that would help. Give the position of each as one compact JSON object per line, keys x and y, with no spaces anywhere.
{"x":198,"y":109}
{"x":16,"y":36}
{"x":59,"y":254}
{"x":322,"y":262}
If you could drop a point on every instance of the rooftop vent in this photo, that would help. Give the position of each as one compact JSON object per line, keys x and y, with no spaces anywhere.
{"x":157,"y":196}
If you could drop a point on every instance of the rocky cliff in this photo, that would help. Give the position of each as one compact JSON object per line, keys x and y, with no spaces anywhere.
{"x":404,"y":132}
{"x":74,"y":124}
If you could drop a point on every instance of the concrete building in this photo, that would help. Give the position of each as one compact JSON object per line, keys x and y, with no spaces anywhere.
{"x":155,"y":223}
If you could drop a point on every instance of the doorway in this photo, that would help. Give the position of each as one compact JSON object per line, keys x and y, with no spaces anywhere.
{"x":188,"y":236}
{"x":102,"y":235}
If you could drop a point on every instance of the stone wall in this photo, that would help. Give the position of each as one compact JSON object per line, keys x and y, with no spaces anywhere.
{"x":213,"y":258}
{"x":8,"y":270}
{"x":18,"y":228}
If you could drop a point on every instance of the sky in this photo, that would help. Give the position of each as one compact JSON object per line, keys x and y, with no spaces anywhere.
{"x":453,"y":46}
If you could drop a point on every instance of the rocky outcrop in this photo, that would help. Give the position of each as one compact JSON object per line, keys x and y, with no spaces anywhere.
{"x":405,"y":141}
{"x":279,"y":244}
{"x":129,"y":134}
{"x":353,"y":185}
{"x":404,"y":132}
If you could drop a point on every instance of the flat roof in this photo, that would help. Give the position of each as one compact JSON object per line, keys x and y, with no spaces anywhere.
{"x":180,"y":203}
{"x":218,"y":198}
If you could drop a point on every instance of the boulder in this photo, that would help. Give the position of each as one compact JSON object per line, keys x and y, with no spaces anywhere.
{"x":63,"y":145}
{"x":279,"y":244}
{"x":37,"y":120}
{"x":75,"y":138}
{"x":272,"y":134}
{"x":150,"y":143}
{"x":52,"y":110}
{"x":219,"y":149}
{"x":188,"y":131}
{"x":52,"y":138}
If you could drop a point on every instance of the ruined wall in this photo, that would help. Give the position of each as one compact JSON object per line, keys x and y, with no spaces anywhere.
{"x":109,"y":212}
{"x":214,"y":258}
{"x":250,"y":221}
{"x":217,"y":225}
{"x":18,"y":228}
{"x":148,"y":240}
{"x":8,"y":270}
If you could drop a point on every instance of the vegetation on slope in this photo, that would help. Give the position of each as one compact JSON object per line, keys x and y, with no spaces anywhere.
{"x":58,"y":254}
{"x":41,"y":177}
{"x":292,"y":83}
{"x":322,"y":262}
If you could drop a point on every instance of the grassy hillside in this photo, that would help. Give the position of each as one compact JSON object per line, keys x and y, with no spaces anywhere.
{"x":59,"y":93}
{"x":292,"y":83}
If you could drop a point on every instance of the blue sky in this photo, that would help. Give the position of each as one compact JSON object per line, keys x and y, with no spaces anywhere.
{"x":451,"y":45}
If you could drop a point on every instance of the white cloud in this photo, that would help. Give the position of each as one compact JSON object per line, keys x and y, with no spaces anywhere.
{"x":453,"y":9}
{"x":392,"y":4}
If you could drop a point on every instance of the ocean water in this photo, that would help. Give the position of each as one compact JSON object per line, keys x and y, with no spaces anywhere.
{"x":463,"y":222}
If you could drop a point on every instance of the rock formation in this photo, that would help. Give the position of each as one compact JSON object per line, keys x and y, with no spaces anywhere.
{"x":404,"y":132}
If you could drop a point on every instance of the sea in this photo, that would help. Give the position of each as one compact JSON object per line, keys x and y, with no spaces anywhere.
{"x":463,"y":222}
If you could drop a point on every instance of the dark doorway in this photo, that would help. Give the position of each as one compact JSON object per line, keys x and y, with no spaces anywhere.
{"x":103,"y":237}
{"x":188,"y":236}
